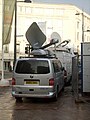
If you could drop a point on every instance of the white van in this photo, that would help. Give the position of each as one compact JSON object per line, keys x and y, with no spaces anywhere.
{"x":66,"y":59}
{"x":37,"y":78}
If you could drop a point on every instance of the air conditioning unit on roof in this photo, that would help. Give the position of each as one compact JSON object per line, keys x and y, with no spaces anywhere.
{"x":43,"y":53}
{"x":39,"y":52}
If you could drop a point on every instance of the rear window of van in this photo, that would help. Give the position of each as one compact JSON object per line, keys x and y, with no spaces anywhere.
{"x":32,"y":67}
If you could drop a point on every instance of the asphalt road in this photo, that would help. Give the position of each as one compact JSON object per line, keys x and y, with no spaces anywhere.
{"x":63,"y":109}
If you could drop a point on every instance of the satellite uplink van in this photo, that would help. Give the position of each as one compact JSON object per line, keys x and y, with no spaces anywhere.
{"x":59,"y":49}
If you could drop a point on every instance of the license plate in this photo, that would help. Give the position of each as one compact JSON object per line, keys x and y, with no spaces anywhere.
{"x":31,"y":82}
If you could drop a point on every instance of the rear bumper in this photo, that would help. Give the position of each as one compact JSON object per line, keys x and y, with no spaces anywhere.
{"x":49,"y":95}
{"x":33,"y":91}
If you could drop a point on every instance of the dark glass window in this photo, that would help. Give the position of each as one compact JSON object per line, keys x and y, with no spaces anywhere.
{"x":57,"y":66}
{"x":32,"y":67}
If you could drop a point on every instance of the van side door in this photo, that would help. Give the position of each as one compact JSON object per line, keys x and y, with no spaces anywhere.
{"x":58,"y":73}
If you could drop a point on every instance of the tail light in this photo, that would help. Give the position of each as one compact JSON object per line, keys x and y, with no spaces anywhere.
{"x":65,"y":73}
{"x":51,"y":82}
{"x":13,"y":81}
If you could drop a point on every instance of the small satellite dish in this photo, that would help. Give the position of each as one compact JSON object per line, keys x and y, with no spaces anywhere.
{"x":56,"y":36}
{"x":35,"y":36}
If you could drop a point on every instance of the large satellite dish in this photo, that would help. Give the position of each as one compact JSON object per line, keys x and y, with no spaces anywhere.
{"x":35,"y":36}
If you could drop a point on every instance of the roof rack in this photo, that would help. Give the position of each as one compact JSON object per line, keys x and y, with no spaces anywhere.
{"x":39,"y":53}
{"x":50,"y":57}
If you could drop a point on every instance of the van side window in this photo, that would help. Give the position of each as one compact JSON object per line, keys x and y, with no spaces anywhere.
{"x":57,"y":66}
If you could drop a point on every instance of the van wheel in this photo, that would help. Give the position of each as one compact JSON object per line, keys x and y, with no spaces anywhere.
{"x":18,"y":99}
{"x":56,"y":95}
{"x":69,"y":82}
{"x":63,"y":89}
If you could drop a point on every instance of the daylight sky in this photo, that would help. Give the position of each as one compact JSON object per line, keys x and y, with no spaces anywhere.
{"x":82,"y":4}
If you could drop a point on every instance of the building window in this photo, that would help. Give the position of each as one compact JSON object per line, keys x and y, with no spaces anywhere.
{"x":59,"y":12}
{"x":49,"y":11}
{"x":28,"y":10}
{"x":78,"y":25}
{"x":88,"y":39}
{"x":6,"y":48}
{"x":85,"y":38}
{"x":42,"y":26}
{"x":18,"y":48}
{"x":78,"y":36}
{"x":21,"y":9}
{"x":38,"y":11}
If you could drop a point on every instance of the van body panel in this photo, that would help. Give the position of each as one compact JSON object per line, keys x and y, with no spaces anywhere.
{"x":65,"y":57}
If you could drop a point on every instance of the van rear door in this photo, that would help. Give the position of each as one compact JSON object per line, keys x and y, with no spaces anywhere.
{"x":33,"y":72}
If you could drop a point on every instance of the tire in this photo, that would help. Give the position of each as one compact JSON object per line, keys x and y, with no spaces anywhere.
{"x":18,"y":99}
{"x":56,"y":95}
{"x":63,"y":89}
